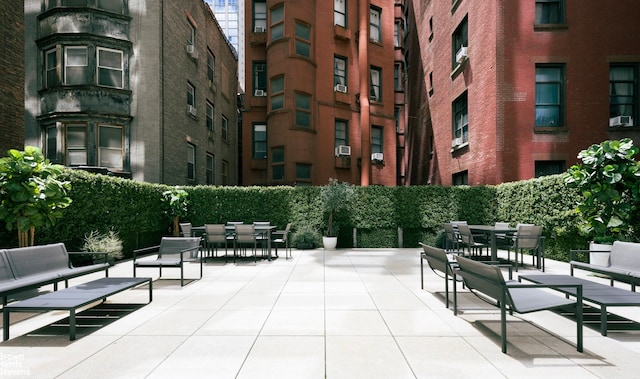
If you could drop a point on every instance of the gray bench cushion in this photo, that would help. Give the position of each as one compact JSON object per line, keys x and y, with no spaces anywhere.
{"x":625,"y":255}
{"x":26,"y":261}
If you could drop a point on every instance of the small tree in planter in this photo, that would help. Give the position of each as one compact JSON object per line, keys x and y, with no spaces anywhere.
{"x":177,"y":205}
{"x":609,"y":181}
{"x":335,"y":197}
{"x":31,"y":194}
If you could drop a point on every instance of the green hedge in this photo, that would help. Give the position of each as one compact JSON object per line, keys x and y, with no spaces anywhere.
{"x":135,"y":211}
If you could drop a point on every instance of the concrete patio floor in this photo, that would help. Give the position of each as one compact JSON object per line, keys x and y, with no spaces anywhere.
{"x":356,"y":313}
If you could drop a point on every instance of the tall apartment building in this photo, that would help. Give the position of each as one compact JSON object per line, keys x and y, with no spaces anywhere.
{"x":230,"y":16}
{"x":146,"y":89}
{"x":507,"y":90}
{"x":11,"y":77}
{"x":324,"y":92}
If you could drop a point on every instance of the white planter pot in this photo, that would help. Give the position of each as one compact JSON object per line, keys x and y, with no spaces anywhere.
{"x":330,"y":243}
{"x":600,"y":259}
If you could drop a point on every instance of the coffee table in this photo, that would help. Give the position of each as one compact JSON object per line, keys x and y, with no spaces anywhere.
{"x":72,"y":298}
{"x":600,"y":294}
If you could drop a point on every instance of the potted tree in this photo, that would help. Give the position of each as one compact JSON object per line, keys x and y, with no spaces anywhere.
{"x":335,"y":197}
{"x":31,"y":193}
{"x":609,"y":181}
{"x":177,"y":205}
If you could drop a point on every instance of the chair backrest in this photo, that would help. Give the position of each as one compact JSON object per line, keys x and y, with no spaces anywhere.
{"x":175,"y":245}
{"x":215,"y":232}
{"x":528,"y":236}
{"x":485,"y":278}
{"x":625,"y":254}
{"x":450,"y":232}
{"x":287,"y":230}
{"x":185,"y":229}
{"x":245,"y":233}
{"x":6,"y":274}
{"x":437,"y":258}
{"x":235,"y":222}
{"x":33,"y":260}
{"x":263,"y":223}
{"x":465,"y":234}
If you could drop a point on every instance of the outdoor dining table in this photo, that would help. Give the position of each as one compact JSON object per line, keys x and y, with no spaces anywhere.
{"x":492,"y":230}
{"x":263,"y":230}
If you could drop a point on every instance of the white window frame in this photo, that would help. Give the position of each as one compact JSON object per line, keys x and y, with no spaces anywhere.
{"x":68,"y":66}
{"x":191,"y":162}
{"x":117,"y":69}
{"x":102,"y":148}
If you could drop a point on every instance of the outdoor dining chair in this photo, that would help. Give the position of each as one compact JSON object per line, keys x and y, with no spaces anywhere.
{"x":467,"y":240}
{"x":185,"y":229}
{"x":452,"y":239}
{"x":527,"y":238}
{"x":245,"y":236}
{"x":215,"y":234}
{"x":282,"y":238}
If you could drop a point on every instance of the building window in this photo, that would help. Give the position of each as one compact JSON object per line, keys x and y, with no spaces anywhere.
{"x":110,"y":68}
{"x":460,"y":42}
{"x":623,"y":101}
{"x":259,"y":141}
{"x":340,"y":12}
{"x":259,"y":78}
{"x":259,"y":16}
{"x":191,"y":162}
{"x":225,"y":173}
{"x":341,"y":133}
{"x":76,"y":65}
{"x":110,"y":147}
{"x":460,"y":120}
{"x":398,"y":76}
{"x":211,"y":66}
{"x":224,"y":129}
{"x":277,"y":163}
{"x":375,"y":32}
{"x":460,"y":178}
{"x":210,"y":115}
{"x":76,"y":145}
{"x":544,"y":168}
{"x":303,"y":110}
{"x":398,"y":34}
{"x":277,"y":93}
{"x":51,"y":69}
{"x":191,"y":39}
{"x":191,"y":95}
{"x":303,"y":39}
{"x":303,"y":173}
{"x":376,"y":139}
{"x":115,"y":6}
{"x":375,"y":92}
{"x":277,"y":22}
{"x":51,"y":144}
{"x":339,"y":71}
{"x":549,"y":12}
{"x":210,"y":169}
{"x":549,"y":95}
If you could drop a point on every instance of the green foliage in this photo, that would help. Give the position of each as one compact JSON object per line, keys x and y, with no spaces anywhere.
{"x":176,"y":201}
{"x":32,"y":194}
{"x":335,"y":197}
{"x":609,"y":181}
{"x":108,"y":242}
{"x":306,"y":235}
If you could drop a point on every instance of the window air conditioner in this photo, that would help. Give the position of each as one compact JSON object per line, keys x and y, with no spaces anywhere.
{"x":258,"y":29}
{"x":192,"y":110}
{"x":621,"y":121}
{"x":343,"y":150}
{"x":456,"y":142}
{"x":340,"y":88}
{"x":260,"y":93}
{"x":461,"y":55}
{"x":377,"y":157}
{"x":191,"y":49}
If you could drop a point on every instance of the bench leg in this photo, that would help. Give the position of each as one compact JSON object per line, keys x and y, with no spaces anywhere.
{"x":5,"y":324}
{"x":603,"y":320}
{"x":421,"y":273}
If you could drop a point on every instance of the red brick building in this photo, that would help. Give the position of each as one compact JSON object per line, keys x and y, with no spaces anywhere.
{"x":324,"y":94}
{"x":508,"y":90}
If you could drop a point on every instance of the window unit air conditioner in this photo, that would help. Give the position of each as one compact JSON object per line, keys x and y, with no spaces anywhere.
{"x":260,"y":93}
{"x":191,"y":50}
{"x":377,"y":157}
{"x":621,"y":121}
{"x":192,"y":110}
{"x":461,"y":55}
{"x":456,"y":142}
{"x":340,"y":88}
{"x":343,"y":150}
{"x":258,"y":29}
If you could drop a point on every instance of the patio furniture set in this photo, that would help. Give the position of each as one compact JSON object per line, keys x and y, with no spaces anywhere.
{"x":571,"y":295}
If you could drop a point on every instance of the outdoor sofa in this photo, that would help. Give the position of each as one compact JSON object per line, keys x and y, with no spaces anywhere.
{"x":623,"y":265}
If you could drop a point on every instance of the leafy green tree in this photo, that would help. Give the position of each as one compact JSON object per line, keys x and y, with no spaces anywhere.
{"x":609,"y":180}
{"x":335,"y":197}
{"x":176,"y":205}
{"x":31,"y":194}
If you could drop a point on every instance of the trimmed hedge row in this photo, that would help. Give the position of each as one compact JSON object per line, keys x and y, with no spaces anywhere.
{"x":135,"y":211}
